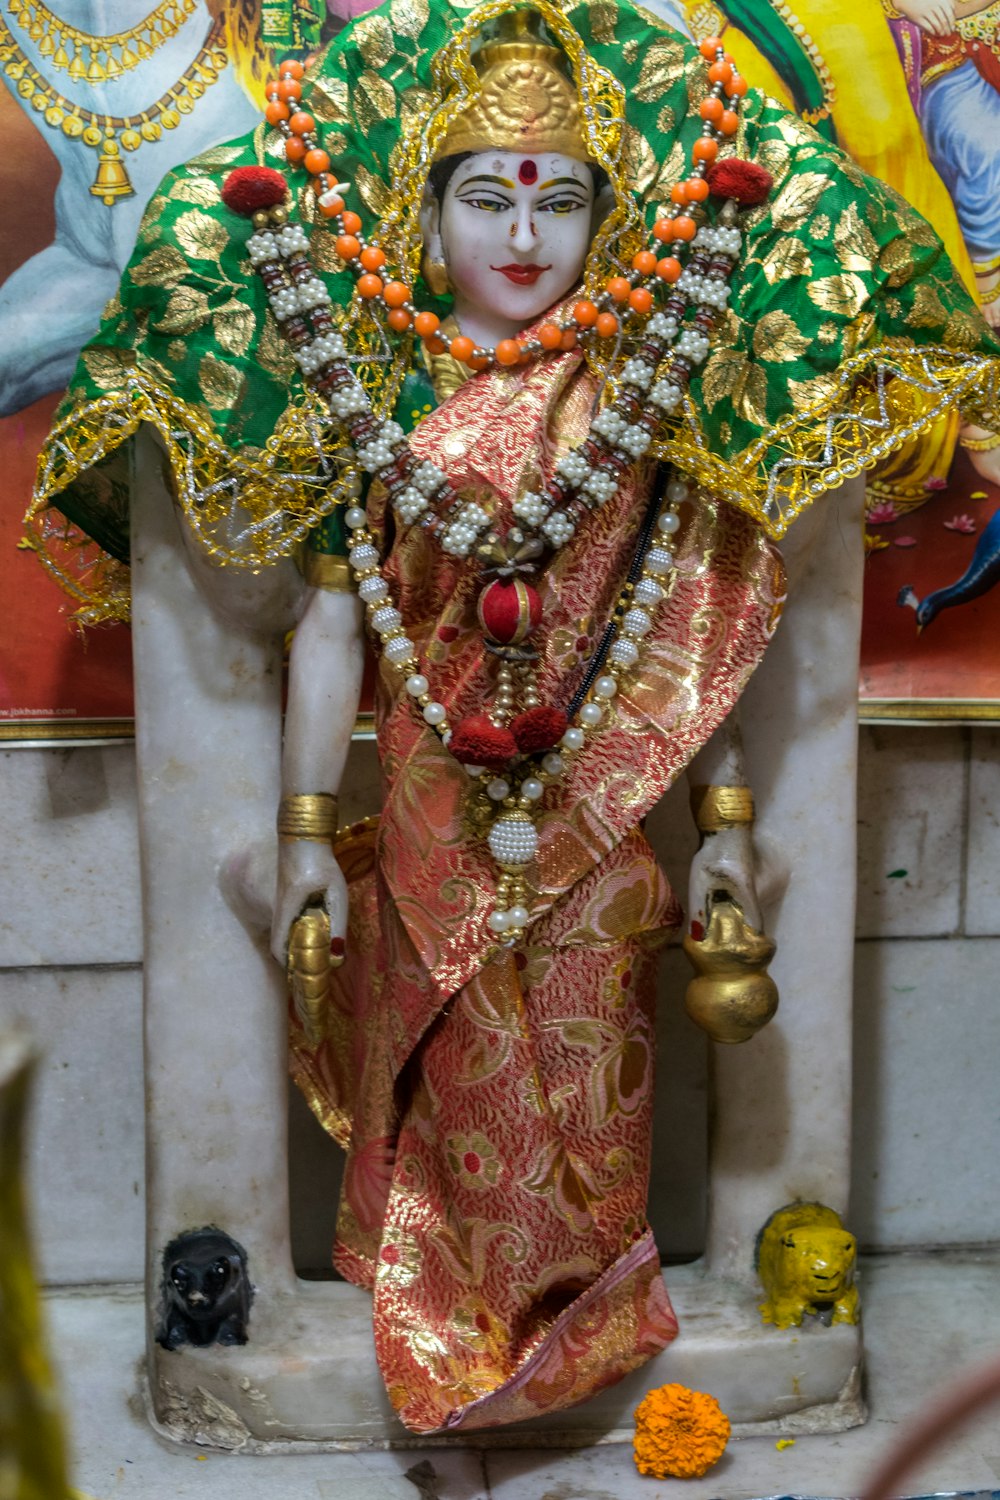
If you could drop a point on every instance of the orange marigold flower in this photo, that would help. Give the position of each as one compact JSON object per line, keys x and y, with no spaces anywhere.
{"x":679,"y":1434}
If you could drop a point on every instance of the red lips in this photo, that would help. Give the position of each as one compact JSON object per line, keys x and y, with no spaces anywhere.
{"x":521,"y":275}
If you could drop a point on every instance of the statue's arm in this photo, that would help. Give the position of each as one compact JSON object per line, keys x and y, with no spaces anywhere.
{"x":725,"y":861}
{"x":324,"y":688}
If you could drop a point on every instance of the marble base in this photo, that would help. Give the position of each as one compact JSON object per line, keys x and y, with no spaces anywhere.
{"x":329,"y":1394}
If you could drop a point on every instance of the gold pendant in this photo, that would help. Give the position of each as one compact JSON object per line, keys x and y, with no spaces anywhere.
{"x":112,"y":180}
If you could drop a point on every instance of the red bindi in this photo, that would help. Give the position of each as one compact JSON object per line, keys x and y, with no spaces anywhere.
{"x":528,"y":172}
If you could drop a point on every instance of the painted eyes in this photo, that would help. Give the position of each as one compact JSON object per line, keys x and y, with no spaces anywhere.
{"x":563,"y":204}
{"x":566,"y":205}
{"x":487,"y":204}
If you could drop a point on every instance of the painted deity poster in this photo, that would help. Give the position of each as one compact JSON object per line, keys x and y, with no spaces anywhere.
{"x":100,"y":102}
{"x":911,"y":88}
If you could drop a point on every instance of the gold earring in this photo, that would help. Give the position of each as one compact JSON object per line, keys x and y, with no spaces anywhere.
{"x":435,"y":274}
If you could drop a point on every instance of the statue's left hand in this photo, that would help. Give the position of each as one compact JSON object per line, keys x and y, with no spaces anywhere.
{"x":726,"y":862}
{"x":308,"y":875}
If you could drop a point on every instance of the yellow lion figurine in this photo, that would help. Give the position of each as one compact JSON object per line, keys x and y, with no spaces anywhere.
{"x":805,"y":1260}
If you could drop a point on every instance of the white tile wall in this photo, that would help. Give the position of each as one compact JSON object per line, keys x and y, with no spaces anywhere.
{"x":927,"y":1096}
{"x":911,"y":803}
{"x":71,"y":857}
{"x":85,"y":1138}
{"x":983,"y":897}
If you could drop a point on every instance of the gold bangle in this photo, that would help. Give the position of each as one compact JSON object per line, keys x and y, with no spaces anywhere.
{"x":717,"y":807}
{"x":308,"y":816}
{"x":980,"y":445}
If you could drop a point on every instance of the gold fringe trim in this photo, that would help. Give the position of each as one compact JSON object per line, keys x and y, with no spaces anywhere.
{"x":249,"y":511}
{"x":245,"y":510}
{"x":899,"y":392}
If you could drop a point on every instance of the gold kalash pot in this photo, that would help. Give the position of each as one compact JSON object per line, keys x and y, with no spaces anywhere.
{"x":732,"y":995}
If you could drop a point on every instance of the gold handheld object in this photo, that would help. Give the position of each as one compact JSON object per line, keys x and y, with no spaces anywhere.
{"x":309,"y":966}
{"x":732,"y":995}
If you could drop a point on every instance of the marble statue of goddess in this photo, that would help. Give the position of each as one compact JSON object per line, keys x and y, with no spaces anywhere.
{"x":600,"y":344}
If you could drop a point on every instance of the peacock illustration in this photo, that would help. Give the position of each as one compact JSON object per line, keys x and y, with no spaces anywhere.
{"x":979,"y":577}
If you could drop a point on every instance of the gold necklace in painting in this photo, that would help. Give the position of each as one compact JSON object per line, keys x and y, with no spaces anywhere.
{"x":105,"y":133}
{"x":98,"y":58}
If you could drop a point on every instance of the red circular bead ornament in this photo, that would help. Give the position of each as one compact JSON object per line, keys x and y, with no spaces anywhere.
{"x":509,"y":610}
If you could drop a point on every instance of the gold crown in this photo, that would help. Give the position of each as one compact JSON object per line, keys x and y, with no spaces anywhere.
{"x":526,"y":101}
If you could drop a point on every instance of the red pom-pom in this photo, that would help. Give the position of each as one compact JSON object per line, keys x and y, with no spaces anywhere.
{"x":538,"y":729}
{"x":509,"y":611}
{"x":743,"y":180}
{"x":248,"y":189}
{"x":477,"y":741}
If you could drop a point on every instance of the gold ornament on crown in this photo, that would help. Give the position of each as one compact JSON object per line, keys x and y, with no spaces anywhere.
{"x":95,"y":59}
{"x":526,"y":100}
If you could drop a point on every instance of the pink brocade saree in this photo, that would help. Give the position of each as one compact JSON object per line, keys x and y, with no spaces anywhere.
{"x":496,"y":1105}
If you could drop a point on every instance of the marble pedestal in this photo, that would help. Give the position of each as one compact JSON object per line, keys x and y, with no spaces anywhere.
{"x":309,"y":1377}
{"x":208,"y":750}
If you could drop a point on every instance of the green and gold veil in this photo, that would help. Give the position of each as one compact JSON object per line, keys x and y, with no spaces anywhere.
{"x":848,"y":331}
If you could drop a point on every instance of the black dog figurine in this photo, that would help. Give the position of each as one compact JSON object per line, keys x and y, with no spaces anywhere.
{"x":206,"y":1290}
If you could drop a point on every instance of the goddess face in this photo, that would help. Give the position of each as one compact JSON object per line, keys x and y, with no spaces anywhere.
{"x":514,"y":232}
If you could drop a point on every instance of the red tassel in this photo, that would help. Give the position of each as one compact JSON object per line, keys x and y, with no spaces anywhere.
{"x":538,"y":729}
{"x":249,"y":189}
{"x":477,"y":741}
{"x":743,"y":180}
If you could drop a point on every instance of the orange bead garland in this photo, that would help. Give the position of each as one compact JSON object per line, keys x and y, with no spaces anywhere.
{"x":634,"y":294}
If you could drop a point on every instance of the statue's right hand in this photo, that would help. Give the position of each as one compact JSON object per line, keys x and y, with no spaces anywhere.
{"x":308,"y":875}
